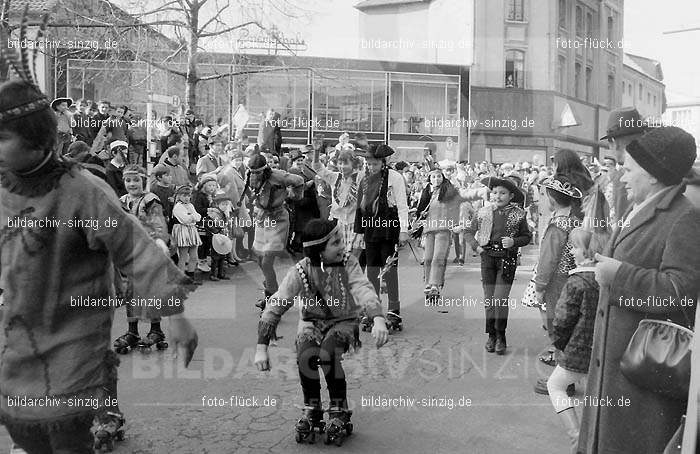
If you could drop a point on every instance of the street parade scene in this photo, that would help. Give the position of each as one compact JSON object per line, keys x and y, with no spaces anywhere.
{"x":397,"y":226}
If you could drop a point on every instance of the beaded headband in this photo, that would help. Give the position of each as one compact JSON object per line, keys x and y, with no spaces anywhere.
{"x":134,"y":172}
{"x":321,"y":240}
{"x":266,"y":166}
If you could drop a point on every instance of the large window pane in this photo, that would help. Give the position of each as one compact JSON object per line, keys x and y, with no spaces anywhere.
{"x":286,"y":91}
{"x":424,"y":106}
{"x":349,"y":101}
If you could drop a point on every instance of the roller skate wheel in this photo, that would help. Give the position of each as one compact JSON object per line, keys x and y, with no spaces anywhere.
{"x":119,"y":436}
{"x":348,"y":428}
{"x":299,"y":437}
{"x":162,"y":345}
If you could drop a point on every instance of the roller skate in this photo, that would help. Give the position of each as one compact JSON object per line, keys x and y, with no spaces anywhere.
{"x":127,"y":342}
{"x":107,"y":432}
{"x":394,"y":322}
{"x":432,"y":295}
{"x":339,"y":426}
{"x":154,"y":337}
{"x":310,"y":424}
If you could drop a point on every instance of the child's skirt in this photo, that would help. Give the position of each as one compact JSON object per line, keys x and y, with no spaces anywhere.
{"x":186,"y":235}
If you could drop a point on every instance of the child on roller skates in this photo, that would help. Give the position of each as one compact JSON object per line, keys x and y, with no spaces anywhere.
{"x":331,"y":289}
{"x":148,"y":210}
{"x":502,"y":230}
{"x":53,"y":348}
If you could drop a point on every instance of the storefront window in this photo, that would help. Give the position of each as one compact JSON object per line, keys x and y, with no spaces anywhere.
{"x":287,"y":92}
{"x":349,"y":101}
{"x":425,"y":106}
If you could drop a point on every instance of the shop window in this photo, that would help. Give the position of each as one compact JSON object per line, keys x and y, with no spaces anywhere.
{"x":516,"y":10}
{"x":515,"y":67}
{"x":417,"y":104}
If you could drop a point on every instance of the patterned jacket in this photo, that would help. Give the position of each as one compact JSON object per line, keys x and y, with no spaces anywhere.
{"x":344,"y":289}
{"x":574,"y":319}
{"x":482,"y":223}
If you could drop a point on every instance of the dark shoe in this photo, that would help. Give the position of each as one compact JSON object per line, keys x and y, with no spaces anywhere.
{"x":212,"y":277}
{"x":491,"y":344}
{"x":456,"y":260}
{"x":500,"y":345}
{"x":461,"y":262}
{"x":223,"y":277}
{"x":231,"y":262}
{"x":541,"y":387}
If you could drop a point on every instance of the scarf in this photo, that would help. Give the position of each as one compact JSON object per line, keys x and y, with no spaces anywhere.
{"x":374,"y":190}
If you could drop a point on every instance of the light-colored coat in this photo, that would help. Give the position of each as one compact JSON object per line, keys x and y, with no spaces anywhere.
{"x":660,"y":252}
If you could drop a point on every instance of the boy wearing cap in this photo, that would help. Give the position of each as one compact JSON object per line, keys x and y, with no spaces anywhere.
{"x":113,"y":169}
{"x":501,"y":229}
{"x":210,"y":161}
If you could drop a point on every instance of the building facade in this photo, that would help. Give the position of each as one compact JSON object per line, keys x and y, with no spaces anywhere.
{"x":550,"y":71}
{"x":642,"y":86}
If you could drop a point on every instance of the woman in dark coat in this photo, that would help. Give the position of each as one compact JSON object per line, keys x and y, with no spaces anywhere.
{"x":650,"y":269}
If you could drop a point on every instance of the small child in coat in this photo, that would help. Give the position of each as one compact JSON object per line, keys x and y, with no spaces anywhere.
{"x":572,"y":331}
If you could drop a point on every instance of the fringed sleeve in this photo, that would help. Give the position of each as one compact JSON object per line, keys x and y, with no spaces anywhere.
{"x":279,"y":303}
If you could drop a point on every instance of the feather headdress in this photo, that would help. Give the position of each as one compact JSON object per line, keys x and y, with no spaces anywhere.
{"x":19,"y":61}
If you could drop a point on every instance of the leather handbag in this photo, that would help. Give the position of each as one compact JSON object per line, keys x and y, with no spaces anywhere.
{"x":658,"y":359}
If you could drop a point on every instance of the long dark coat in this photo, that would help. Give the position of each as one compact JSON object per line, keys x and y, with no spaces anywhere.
{"x":660,"y":247}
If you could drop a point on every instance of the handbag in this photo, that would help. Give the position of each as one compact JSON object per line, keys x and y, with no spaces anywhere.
{"x":675,"y":444}
{"x":658,"y":359}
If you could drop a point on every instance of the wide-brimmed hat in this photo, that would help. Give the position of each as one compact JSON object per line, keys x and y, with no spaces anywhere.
{"x":667,"y":153}
{"x":623,"y":122}
{"x":563,"y":185}
{"x":58,"y":101}
{"x":510,"y":185}
{"x":221,"y":243}
{"x":376,"y":151}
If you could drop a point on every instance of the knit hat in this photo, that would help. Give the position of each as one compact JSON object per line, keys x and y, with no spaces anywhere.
{"x":667,"y":153}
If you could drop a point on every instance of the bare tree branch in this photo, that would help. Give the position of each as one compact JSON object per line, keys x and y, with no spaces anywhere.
{"x":230,"y":29}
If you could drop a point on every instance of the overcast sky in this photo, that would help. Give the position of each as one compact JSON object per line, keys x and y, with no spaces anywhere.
{"x":679,"y":54}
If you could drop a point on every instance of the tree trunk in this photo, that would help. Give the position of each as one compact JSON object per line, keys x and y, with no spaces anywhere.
{"x":192,"y":59}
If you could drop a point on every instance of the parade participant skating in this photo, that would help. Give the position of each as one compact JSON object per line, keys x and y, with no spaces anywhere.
{"x":330,"y":289}
{"x":502,"y":230}
{"x":270,"y":216}
{"x":149,"y":211}
{"x":382,"y":216}
{"x":440,"y":205}
{"x":344,"y":186}
{"x":65,"y":226}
